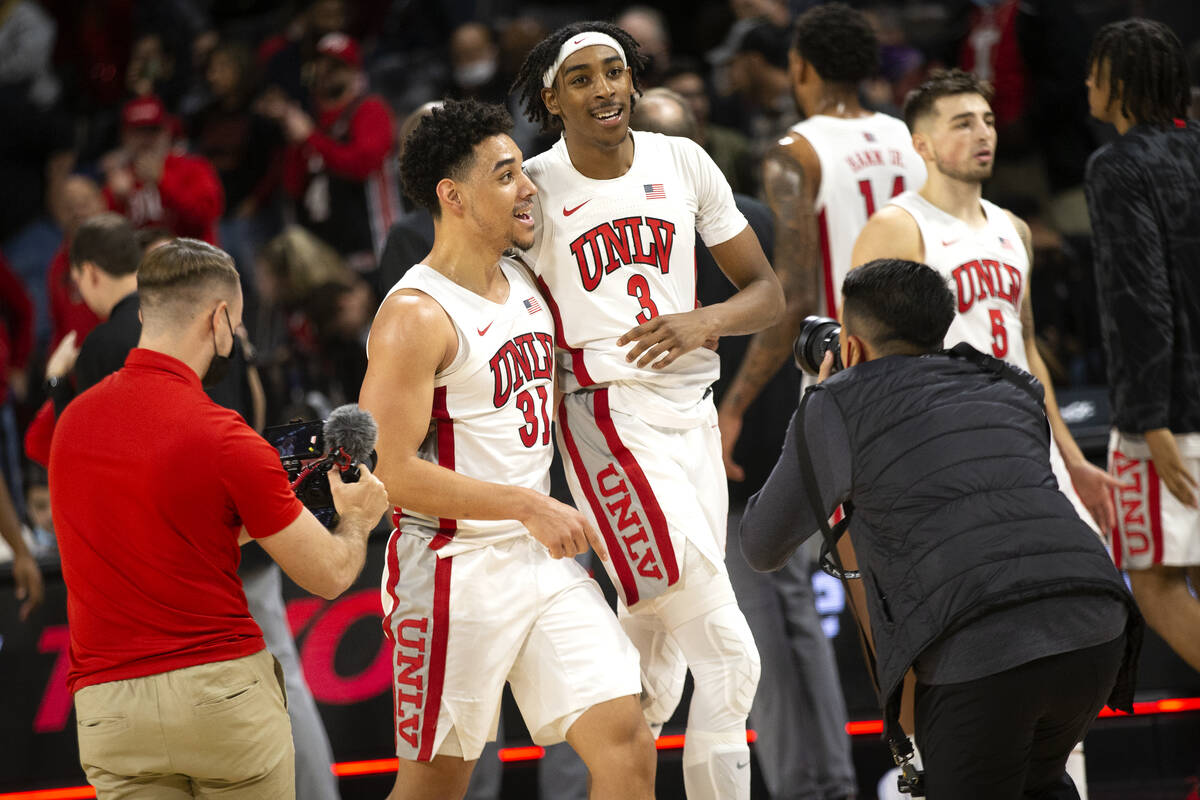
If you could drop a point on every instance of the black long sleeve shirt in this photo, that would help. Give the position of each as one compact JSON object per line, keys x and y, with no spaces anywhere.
{"x":1143,"y":193}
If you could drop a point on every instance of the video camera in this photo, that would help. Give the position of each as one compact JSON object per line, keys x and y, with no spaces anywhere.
{"x":308,"y":450}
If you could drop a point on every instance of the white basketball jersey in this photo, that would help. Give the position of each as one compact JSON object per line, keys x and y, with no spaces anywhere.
{"x":493,"y":405}
{"x":987,"y":269}
{"x":865,"y":161}
{"x":613,"y":254}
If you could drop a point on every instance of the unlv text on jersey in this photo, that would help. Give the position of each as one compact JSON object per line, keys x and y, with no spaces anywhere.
{"x":631,"y":240}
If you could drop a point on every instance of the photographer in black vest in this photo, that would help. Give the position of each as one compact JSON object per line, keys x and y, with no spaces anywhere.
{"x":978,"y":572}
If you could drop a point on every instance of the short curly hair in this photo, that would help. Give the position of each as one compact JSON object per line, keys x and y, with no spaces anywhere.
{"x":442,"y":145}
{"x":528,"y":83}
{"x":942,"y":83}
{"x":839,"y":42}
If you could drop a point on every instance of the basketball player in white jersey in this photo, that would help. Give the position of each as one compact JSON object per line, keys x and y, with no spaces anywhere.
{"x":822,"y":180}
{"x":618,"y":215}
{"x":479,"y":586}
{"x":983,"y":251}
{"x":986,"y":255}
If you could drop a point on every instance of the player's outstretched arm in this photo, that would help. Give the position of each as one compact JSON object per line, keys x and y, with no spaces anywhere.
{"x":1093,"y":484}
{"x":411,"y":340}
{"x":791,"y":173}
{"x":890,"y":233}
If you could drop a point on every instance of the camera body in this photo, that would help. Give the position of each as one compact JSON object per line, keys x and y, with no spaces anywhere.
{"x":307,"y":461}
{"x":817,"y":335}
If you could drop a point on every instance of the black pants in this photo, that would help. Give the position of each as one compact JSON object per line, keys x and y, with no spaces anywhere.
{"x":1007,"y":736}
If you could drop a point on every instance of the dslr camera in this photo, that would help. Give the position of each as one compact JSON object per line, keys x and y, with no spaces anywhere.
{"x":817,"y":335}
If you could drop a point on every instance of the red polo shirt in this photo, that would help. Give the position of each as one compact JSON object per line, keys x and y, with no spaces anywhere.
{"x":152,"y":482}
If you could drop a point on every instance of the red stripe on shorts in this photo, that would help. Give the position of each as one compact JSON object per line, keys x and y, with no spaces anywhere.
{"x":393,"y":566}
{"x":654,"y":514}
{"x":1118,"y":542}
{"x":445,"y":443}
{"x":560,"y":338}
{"x":1153,"y":492}
{"x":619,"y":561}
{"x":437,"y":656}
{"x":827,"y":266}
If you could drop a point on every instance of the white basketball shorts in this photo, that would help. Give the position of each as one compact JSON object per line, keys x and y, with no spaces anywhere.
{"x":648,"y":489}
{"x":463,"y":625}
{"x":1152,"y":526}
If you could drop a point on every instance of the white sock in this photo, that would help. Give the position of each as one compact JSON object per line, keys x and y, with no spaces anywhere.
{"x":716,"y":766}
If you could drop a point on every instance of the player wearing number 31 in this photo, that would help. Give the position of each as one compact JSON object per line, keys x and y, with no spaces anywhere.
{"x":617,"y":216}
{"x":983,"y":251}
{"x":480,"y":586}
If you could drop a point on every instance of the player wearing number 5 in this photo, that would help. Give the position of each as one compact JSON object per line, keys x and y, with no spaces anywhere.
{"x":617,"y":217}
{"x":983,"y":251}
{"x":479,"y":586}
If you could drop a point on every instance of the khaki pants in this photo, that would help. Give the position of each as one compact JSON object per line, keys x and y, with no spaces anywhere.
{"x":212,"y":730}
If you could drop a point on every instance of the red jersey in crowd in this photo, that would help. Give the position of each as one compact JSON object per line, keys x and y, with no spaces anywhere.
{"x":187,"y":201}
{"x":346,"y":191}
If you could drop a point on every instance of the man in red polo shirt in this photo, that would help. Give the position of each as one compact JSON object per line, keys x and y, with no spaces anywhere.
{"x":153,"y":185}
{"x":154,"y":486}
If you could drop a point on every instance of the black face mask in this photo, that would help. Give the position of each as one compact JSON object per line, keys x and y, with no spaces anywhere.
{"x":218,"y":368}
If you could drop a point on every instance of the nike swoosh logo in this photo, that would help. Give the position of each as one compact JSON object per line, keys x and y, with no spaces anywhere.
{"x":577,"y":41}
{"x":576,"y":208}
{"x":482,"y":331}
{"x":948,"y":243}
{"x":743,"y":765}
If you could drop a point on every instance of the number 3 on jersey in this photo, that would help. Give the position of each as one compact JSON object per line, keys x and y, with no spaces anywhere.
{"x":528,"y":407}
{"x":639,"y":289}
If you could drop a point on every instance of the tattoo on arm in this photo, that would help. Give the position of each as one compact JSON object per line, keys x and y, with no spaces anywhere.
{"x":796,"y":261}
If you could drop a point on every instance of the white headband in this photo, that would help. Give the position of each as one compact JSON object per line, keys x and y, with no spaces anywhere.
{"x":578,"y":43}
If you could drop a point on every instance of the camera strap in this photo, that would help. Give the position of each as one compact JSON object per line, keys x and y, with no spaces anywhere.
{"x":900,"y":745}
{"x":831,"y":562}
{"x":1022,"y":380}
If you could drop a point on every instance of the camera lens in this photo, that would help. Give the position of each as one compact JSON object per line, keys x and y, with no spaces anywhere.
{"x":817,"y":335}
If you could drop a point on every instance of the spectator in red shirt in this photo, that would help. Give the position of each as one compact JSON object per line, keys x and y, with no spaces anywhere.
{"x":336,"y":168}
{"x":153,"y":488}
{"x":16,"y":332}
{"x":153,"y":185}
{"x":82,"y":200}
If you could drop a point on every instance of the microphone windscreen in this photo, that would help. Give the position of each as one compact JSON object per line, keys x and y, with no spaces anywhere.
{"x":352,"y":429}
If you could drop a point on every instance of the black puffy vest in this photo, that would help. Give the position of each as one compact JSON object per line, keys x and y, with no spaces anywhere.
{"x":956,"y":512}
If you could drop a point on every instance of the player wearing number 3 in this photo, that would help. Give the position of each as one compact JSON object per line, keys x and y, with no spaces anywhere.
{"x":983,"y":251}
{"x":479,"y":586}
{"x":617,"y":216}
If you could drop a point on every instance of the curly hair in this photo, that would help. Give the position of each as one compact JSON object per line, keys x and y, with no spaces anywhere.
{"x":1147,"y":69}
{"x":442,"y":145}
{"x":942,"y":83}
{"x":839,"y":42}
{"x":528,"y":84}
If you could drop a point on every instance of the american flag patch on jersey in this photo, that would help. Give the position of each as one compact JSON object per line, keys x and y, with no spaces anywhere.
{"x":532,"y":305}
{"x":654,"y":191}
{"x":1007,"y":245}
{"x":870,"y":137}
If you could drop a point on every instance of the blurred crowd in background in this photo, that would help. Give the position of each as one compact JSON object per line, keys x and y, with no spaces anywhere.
{"x":272,"y":129}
